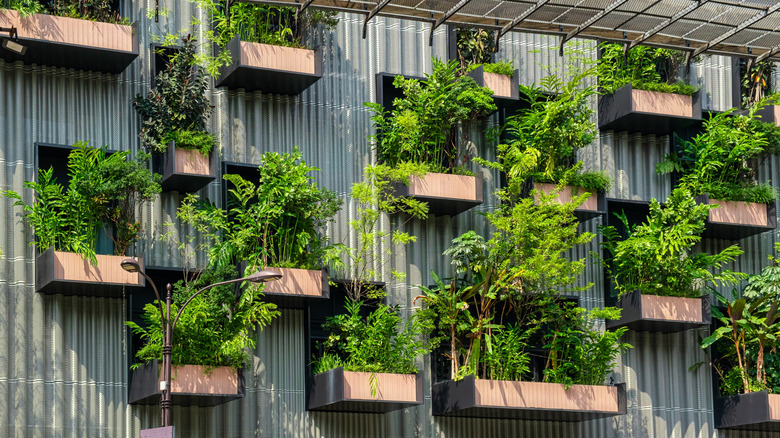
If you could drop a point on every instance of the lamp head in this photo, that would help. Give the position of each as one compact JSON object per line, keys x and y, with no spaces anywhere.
{"x":264,"y":276}
{"x":13,"y":46}
{"x":131,"y":265}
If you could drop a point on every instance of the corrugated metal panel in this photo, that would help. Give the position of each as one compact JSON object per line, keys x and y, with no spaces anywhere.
{"x":63,"y":360}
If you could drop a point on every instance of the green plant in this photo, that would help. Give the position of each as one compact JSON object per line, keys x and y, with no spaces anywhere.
{"x":756,"y":84}
{"x":378,"y":343}
{"x":104,"y":189}
{"x":656,"y":257}
{"x":424,"y":126}
{"x":97,"y":10}
{"x":278,"y":222}
{"x":645,"y":68}
{"x":214,"y":330}
{"x":544,"y":137}
{"x":178,"y":106}
{"x":722,"y":160}
{"x":475,"y":47}
{"x":505,"y":68}
{"x":200,"y":141}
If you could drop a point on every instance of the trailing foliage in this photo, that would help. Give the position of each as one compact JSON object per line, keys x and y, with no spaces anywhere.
{"x":96,"y":10}
{"x":378,"y":343}
{"x":544,"y":137}
{"x":216,"y":329}
{"x":722,"y":160}
{"x":104,"y":190}
{"x":278,"y":222}
{"x":656,"y":257}
{"x":645,"y":68}
{"x":178,"y":107}
{"x":425,"y":126}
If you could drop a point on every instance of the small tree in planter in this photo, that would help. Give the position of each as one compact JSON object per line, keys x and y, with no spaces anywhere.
{"x":656,"y":258}
{"x":104,"y":192}
{"x":176,"y":112}
{"x":475,"y":53}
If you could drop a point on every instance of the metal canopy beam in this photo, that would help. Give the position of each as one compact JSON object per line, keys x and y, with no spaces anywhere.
{"x":616,"y":4}
{"x":772,"y":52}
{"x":305,"y":5}
{"x":742,"y":26}
{"x":380,"y":4}
{"x":454,"y":10}
{"x":509,"y":26}
{"x":687,"y":10}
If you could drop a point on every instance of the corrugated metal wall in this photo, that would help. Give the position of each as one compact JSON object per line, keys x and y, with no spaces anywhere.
{"x":63,"y":360}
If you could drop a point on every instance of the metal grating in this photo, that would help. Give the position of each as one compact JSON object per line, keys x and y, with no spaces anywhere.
{"x":714,"y":26}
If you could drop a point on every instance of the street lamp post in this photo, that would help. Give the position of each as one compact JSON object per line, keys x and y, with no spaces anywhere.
{"x":132,"y":265}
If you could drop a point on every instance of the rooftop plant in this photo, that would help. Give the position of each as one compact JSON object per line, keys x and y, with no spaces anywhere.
{"x":104,"y":190}
{"x":745,"y":357}
{"x":657,"y":257}
{"x":178,"y":108}
{"x":543,"y":139}
{"x":98,"y":10}
{"x":645,"y":68}
{"x":424,"y":127}
{"x":722,"y":160}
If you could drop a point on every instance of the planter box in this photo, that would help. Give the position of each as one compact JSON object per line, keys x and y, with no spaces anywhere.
{"x":271,"y":69}
{"x":185,"y":170}
{"x":505,"y":89}
{"x":72,"y":43}
{"x":190,"y":385}
{"x":59,"y":272}
{"x":473,"y":397}
{"x":661,"y":314}
{"x":754,"y":411}
{"x":297,"y":287}
{"x":446,"y":195}
{"x":769,"y":114}
{"x":592,"y":207}
{"x":648,"y":112}
{"x":736,"y":220}
{"x":349,"y":391}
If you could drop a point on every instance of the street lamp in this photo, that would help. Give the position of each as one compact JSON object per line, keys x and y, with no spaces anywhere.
{"x":132,"y":265}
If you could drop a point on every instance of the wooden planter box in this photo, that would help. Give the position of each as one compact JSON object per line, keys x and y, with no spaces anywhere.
{"x":271,"y":69}
{"x":297,"y":287}
{"x":59,"y":272}
{"x":505,"y":89}
{"x":753,"y":411}
{"x":191,"y":385}
{"x":446,"y":195}
{"x":735,"y":220}
{"x":661,"y":314}
{"x":648,"y":112}
{"x":185,"y":170}
{"x":349,"y":391}
{"x":472,"y":397}
{"x":592,"y":207}
{"x":72,"y":43}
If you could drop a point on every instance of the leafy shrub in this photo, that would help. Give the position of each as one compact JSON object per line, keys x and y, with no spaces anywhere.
{"x":475,"y":47}
{"x":423,"y":126}
{"x":656,"y":257}
{"x":103,"y":190}
{"x":505,"y":68}
{"x":756,"y":84}
{"x":214,"y":330}
{"x":200,"y":141}
{"x":96,"y":10}
{"x":278,"y":222}
{"x":645,"y":68}
{"x":379,"y":343}
{"x":722,"y":159}
{"x":178,"y":106}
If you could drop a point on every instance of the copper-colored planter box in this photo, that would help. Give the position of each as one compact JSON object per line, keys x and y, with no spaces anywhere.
{"x":471,"y":397}
{"x":67,"y":273}
{"x":593,"y":206}
{"x":446,"y":195}
{"x":349,"y":391}
{"x":648,"y":112}
{"x":297,"y":287}
{"x":191,"y":385}
{"x":271,"y":69}
{"x":71,"y":42}
{"x":504,"y":88}
{"x":735,"y":220}
{"x":753,"y":411}
{"x":657,"y":313}
{"x":186,"y":170}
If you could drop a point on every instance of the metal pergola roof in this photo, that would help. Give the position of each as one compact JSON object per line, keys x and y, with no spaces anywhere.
{"x":747,"y":28}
